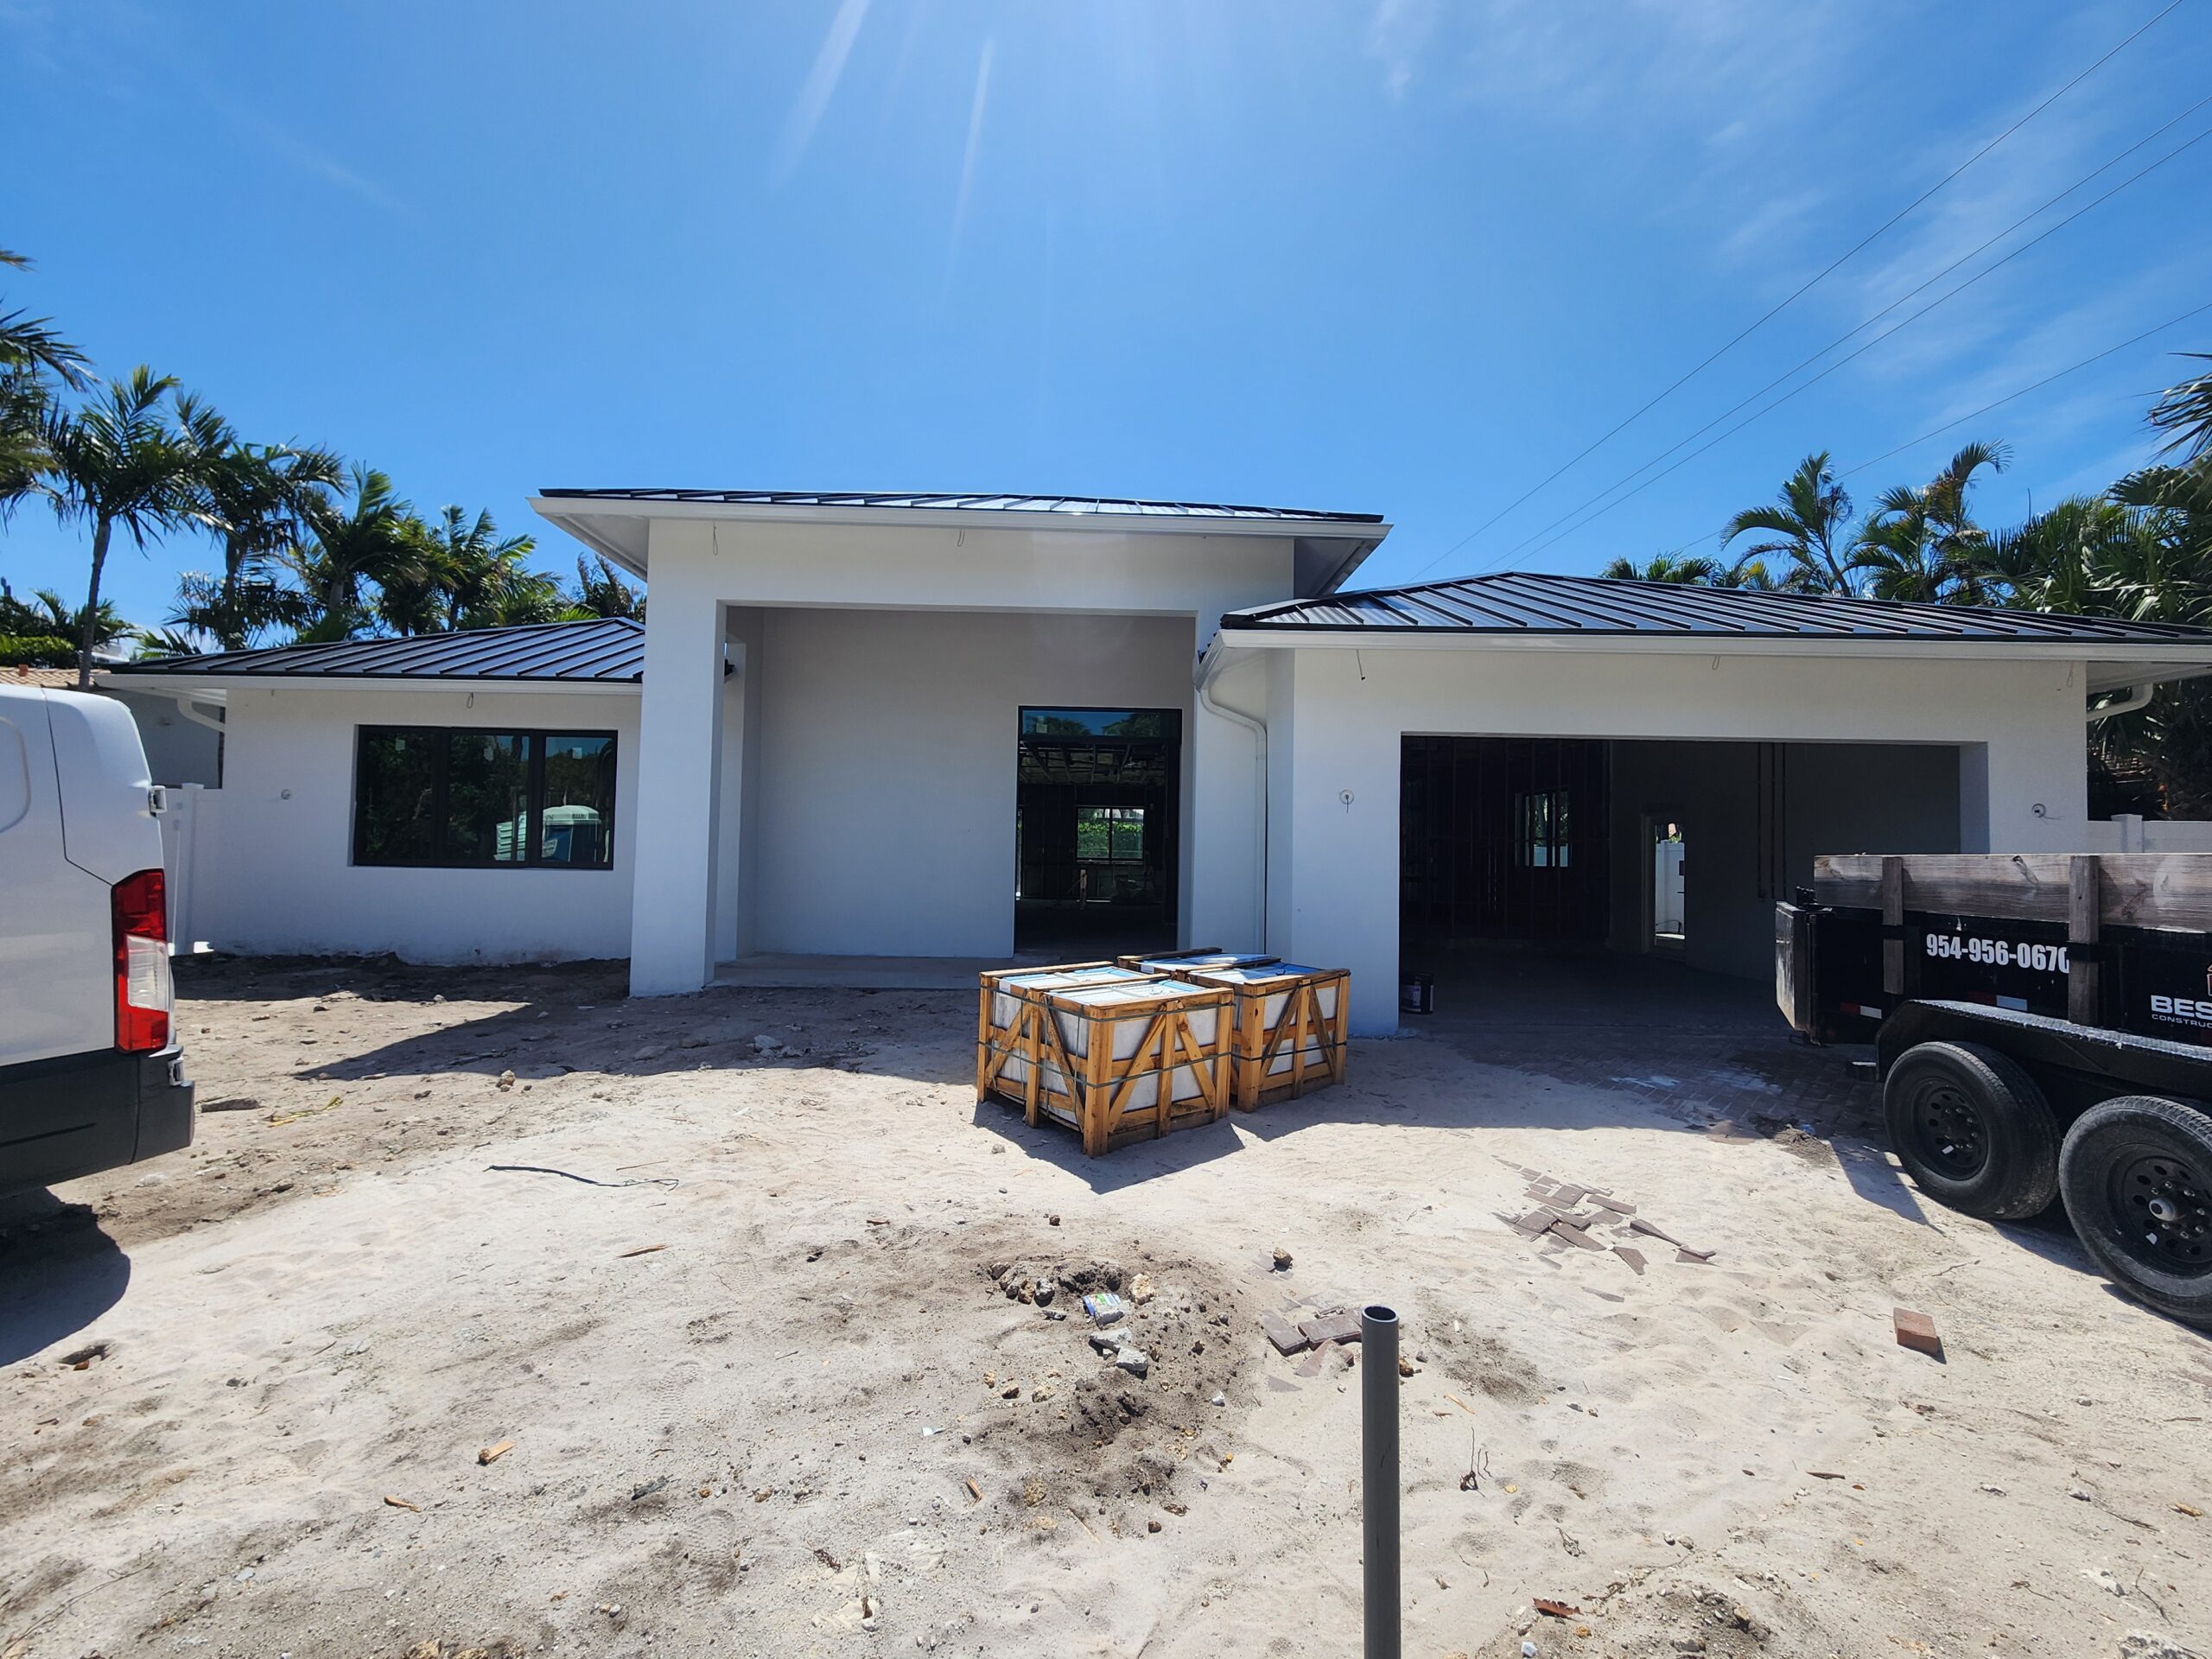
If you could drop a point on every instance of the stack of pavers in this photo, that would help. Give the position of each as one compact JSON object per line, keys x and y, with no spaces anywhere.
{"x":1575,"y":1215}
{"x":1137,"y":1048}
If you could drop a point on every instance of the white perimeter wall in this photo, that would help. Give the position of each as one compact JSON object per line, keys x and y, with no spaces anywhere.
{"x":1335,"y":721}
{"x":278,"y":876}
{"x":886,"y":768}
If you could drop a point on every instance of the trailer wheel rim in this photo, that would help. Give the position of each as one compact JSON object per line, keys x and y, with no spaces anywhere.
{"x":1954,"y":1135}
{"x":2164,"y":1204}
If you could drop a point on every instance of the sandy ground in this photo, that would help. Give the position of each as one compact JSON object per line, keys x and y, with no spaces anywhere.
{"x":777,"y":1381}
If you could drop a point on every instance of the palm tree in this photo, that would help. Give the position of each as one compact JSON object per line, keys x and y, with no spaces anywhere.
{"x":32,"y":357}
{"x":2186,"y":411}
{"x":31,"y":343}
{"x":1807,"y":526}
{"x":257,"y":499}
{"x":1696,"y":571}
{"x":119,"y":462}
{"x":1921,"y":545}
{"x":1960,"y":542}
{"x":464,"y":575}
{"x":369,"y":541}
{"x":606,"y":593}
{"x":51,"y":617}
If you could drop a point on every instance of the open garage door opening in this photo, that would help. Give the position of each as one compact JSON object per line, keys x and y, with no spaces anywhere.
{"x":1529,"y":864}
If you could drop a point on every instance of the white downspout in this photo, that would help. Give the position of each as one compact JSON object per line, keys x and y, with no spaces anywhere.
{"x":1201,"y":688}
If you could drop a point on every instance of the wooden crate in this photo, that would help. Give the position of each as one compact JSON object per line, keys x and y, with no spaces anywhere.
{"x":1000,"y":1021}
{"x":1183,"y":964}
{"x":1117,"y":1060}
{"x":1289,"y":1031}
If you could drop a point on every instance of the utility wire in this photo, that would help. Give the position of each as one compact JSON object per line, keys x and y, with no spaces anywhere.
{"x":1905,"y":322}
{"x":2038,"y":386}
{"x":1976,"y":415}
{"x":1845,"y":258}
{"x":1869,"y":322}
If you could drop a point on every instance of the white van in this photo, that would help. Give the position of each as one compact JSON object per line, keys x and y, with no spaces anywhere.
{"x":91,"y":1073}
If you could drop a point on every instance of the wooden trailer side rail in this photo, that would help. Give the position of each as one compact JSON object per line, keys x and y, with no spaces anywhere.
{"x":2131,"y":889}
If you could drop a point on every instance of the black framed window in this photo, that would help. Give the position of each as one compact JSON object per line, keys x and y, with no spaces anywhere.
{"x":1109,"y":834}
{"x":471,"y":797}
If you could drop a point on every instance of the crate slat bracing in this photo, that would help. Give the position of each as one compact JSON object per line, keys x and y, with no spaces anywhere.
{"x":1290,"y":1023}
{"x":1116,"y":1055}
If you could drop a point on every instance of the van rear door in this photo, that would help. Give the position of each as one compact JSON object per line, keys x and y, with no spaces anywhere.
{"x":57,"y":965}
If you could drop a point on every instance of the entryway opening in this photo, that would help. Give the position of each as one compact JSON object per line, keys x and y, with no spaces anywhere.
{"x":1666,"y":926}
{"x":1095,"y":809}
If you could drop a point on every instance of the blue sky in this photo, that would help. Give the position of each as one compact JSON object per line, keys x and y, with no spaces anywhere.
{"x":1401,"y":256}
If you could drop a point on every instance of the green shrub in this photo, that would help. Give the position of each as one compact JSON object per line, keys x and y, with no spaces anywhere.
{"x":36,"y":651}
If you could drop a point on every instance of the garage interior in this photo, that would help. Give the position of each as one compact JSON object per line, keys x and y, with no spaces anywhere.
{"x":1527,"y":860}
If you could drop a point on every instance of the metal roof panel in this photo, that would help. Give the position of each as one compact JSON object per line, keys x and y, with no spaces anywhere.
{"x":1524,"y":602}
{"x":609,"y":650}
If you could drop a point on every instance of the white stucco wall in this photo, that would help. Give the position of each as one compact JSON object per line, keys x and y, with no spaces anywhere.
{"x":887,"y":759}
{"x":278,"y":876}
{"x":921,"y":700}
{"x":1336,"y":722}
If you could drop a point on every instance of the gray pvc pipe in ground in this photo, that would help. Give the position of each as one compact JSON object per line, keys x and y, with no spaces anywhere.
{"x":1379,"y":1477}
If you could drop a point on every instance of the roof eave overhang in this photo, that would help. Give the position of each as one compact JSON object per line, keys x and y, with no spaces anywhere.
{"x":592,"y":520}
{"x":2112,"y":663}
{"x":217,"y":687}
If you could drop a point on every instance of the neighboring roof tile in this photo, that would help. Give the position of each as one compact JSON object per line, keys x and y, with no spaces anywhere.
{"x":51,"y":679}
{"x":606,"y":649}
{"x":1518,"y":602}
{"x":1073,"y":504}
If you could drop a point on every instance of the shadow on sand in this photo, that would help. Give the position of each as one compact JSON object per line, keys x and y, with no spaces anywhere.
{"x":58,"y":1272}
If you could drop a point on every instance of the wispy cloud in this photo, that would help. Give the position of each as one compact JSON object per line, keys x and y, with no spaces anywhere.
{"x":297,"y":153}
{"x":1397,"y":37}
{"x":821,"y":86}
{"x":974,"y":150}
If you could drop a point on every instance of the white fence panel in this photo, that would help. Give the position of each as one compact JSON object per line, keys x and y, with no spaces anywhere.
{"x":189,"y":831}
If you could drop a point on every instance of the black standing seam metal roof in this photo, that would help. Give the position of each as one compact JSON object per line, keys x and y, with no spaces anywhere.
{"x":1074,"y":506}
{"x":1518,"y":602}
{"x":607,"y":650}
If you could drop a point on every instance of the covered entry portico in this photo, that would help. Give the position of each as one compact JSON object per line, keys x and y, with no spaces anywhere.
{"x":830,"y":746}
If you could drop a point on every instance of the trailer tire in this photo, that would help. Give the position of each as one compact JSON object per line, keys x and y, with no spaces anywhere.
{"x":2136,"y":1173}
{"x":1973,"y":1129}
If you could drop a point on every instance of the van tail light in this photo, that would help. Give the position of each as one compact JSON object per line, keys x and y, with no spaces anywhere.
{"x":145,"y":995}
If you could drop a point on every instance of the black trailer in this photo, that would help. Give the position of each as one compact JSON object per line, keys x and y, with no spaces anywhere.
{"x":2042,"y":1031}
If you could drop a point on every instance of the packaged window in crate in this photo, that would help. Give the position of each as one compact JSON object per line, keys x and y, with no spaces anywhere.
{"x":1003,"y":1017}
{"x":1115,"y":1059}
{"x":1289,"y":1031}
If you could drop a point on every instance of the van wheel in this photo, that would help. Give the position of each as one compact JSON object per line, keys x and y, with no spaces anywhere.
{"x":1973,"y":1129}
{"x":2137,"y":1175}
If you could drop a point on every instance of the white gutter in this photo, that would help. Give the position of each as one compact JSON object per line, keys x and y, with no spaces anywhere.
{"x":185,"y":701}
{"x":2130,"y":698}
{"x":1201,"y":684}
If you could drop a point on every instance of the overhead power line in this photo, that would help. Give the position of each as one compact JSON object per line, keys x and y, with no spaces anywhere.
{"x":1828,"y":271}
{"x":1920,"y":287}
{"x":1976,"y":415}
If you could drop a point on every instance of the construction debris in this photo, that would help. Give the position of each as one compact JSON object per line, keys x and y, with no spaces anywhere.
{"x":1917,"y":1331}
{"x":1571,"y":1211}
